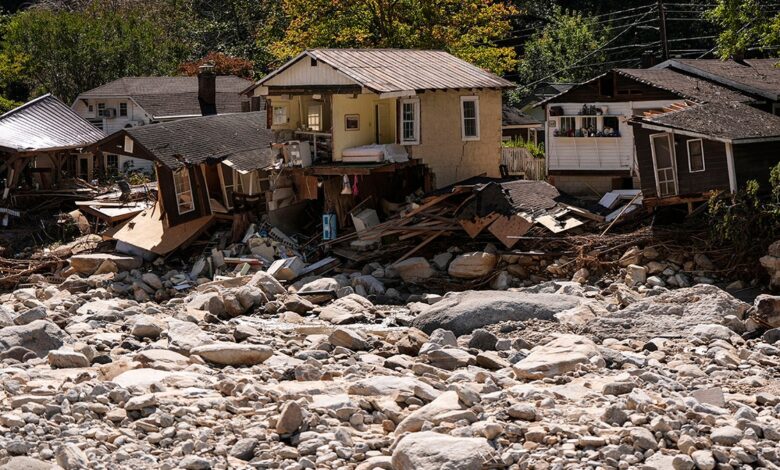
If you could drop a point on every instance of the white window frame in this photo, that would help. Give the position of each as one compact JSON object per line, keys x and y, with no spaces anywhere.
{"x":673,"y":155}
{"x":703,"y":164}
{"x":126,"y":110}
{"x":177,"y":191}
{"x":237,"y":185}
{"x":286,"y":117}
{"x":573,"y":124}
{"x":416,"y":121}
{"x":469,"y":99}
{"x":101,"y":110}
{"x":317,"y":107}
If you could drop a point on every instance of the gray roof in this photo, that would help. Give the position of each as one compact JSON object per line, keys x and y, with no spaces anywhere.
{"x":514,"y":117}
{"x":692,"y":88}
{"x":206,"y":139}
{"x":45,"y":124}
{"x":755,"y":76}
{"x":720,"y":120}
{"x":172,"y":96}
{"x":396,"y":70}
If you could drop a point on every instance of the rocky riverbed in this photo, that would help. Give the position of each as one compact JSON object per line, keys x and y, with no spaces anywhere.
{"x":247,"y":373}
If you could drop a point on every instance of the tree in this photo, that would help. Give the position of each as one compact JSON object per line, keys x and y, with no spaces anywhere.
{"x":465,"y":28}
{"x":223,"y":65}
{"x":68,"y":51}
{"x":744,"y":24}
{"x":565,"y":50}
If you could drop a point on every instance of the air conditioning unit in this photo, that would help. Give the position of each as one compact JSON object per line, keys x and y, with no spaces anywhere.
{"x":109,"y":113}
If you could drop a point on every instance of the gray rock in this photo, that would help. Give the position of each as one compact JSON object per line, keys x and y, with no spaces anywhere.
{"x":483,"y":340}
{"x":233,"y":354}
{"x":70,"y":457}
{"x":40,"y":336}
{"x":30,"y":315}
{"x":430,"y":450}
{"x":290,"y":418}
{"x":66,"y":359}
{"x":244,"y":449}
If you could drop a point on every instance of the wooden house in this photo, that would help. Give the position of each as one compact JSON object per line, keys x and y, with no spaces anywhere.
{"x":589,"y":143}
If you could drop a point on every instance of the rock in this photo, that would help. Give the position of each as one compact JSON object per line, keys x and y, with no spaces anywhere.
{"x":768,"y":309}
{"x":211,"y":302}
{"x":430,"y":450}
{"x":643,"y":439}
{"x":632,"y":256}
{"x":472,"y":265}
{"x":411,"y":341}
{"x":491,"y":360}
{"x":40,"y":336}
{"x":557,"y":357}
{"x":30,"y":315}
{"x":66,"y":359}
{"x":185,"y":335}
{"x":450,"y":358}
{"x":244,"y":449}
{"x":523,"y":411}
{"x":351,"y":339}
{"x":344,"y":310}
{"x":140,"y":402}
{"x":445,"y":407}
{"x":771,"y":336}
{"x":194,"y":462}
{"x":635,"y":275}
{"x":268,"y":284}
{"x":463,"y":312}
{"x":703,"y":459}
{"x":703,"y":263}
{"x":319,"y":285}
{"x":28,"y":463}
{"x":290,"y":418}
{"x":414,"y":270}
{"x":711,"y":332}
{"x":89,"y":263}
{"x":483,"y":340}
{"x":233,"y":354}
{"x":145,"y":326}
{"x":442,"y":260}
{"x":726,"y":435}
{"x":70,"y":457}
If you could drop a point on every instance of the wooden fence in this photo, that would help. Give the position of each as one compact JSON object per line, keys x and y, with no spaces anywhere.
{"x":519,"y":161}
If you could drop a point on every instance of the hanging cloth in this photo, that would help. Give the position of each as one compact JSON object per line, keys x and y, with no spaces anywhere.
{"x":347,"y":189}
{"x":354,"y":186}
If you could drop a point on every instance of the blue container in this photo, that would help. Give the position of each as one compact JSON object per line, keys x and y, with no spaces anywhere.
{"x":329,"y":227}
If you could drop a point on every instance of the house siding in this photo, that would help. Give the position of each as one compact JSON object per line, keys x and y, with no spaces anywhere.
{"x":168,"y":195}
{"x":754,"y":161}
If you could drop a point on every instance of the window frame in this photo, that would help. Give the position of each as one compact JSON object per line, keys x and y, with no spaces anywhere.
{"x":415,"y":102}
{"x":701,"y":147}
{"x":111,"y":167}
{"x":177,"y":191}
{"x":236,"y":184}
{"x":318,"y":114}
{"x":573,"y":125}
{"x":463,"y":100}
{"x":123,"y":109}
{"x":285,"y":107}
{"x":101,"y":110}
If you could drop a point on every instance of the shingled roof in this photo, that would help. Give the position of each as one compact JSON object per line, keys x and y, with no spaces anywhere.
{"x":514,"y":117}
{"x":754,"y":76}
{"x":45,"y":124}
{"x":400,"y":70}
{"x":206,"y":139}
{"x":692,"y":88}
{"x":732,"y":122}
{"x":172,"y":96}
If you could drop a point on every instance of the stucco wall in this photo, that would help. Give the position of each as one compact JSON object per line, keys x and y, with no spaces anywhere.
{"x":363,"y":106}
{"x":442,"y":147}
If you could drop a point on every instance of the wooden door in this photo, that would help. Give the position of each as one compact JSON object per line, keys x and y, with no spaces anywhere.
{"x":664,"y":165}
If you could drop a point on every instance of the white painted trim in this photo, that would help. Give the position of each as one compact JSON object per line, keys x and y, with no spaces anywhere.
{"x":398,"y":94}
{"x":176,"y":193}
{"x":703,"y":163}
{"x":731,"y":168}
{"x":208,"y":192}
{"x":475,"y":100}
{"x":670,"y":140}
{"x":416,"y":141}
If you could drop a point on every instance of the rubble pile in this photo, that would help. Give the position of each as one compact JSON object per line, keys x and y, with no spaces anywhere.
{"x":246,"y":372}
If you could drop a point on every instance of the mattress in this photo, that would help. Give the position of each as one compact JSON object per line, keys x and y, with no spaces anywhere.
{"x":375,"y":153}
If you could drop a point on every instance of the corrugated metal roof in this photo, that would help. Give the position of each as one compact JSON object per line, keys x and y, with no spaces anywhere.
{"x":46,"y":123}
{"x":398,"y":70}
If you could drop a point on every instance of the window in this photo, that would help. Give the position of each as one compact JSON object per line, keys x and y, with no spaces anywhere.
{"x":567,"y":126}
{"x":232,"y":183}
{"x":663,"y":159}
{"x":410,"y":122}
{"x":611,"y":126}
{"x":123,"y":109}
{"x":112,"y":163}
{"x":280,"y":115}
{"x":314,"y":117}
{"x":589,"y":123}
{"x":91,"y":109}
{"x":101,"y":109}
{"x":469,"y":114}
{"x":183,"y":188}
{"x":695,"y":155}
{"x":607,"y":85}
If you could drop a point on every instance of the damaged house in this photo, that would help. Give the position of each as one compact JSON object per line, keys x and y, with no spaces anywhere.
{"x":42,"y":146}
{"x":137,"y":101}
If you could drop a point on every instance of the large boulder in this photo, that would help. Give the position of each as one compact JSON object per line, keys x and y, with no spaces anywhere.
{"x":445,"y":408}
{"x":89,"y":263}
{"x":429,"y":450}
{"x":184,"y":335}
{"x":472,"y":265}
{"x":233,"y":354}
{"x":40,"y":336}
{"x":268,"y":284}
{"x":559,"y":356}
{"x":463,"y":312}
{"x":67,"y":359}
{"x":768,"y":309}
{"x":414,"y":270}
{"x":348,"y":309}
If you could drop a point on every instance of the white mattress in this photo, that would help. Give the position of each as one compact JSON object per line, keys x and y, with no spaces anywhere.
{"x":375,"y":153}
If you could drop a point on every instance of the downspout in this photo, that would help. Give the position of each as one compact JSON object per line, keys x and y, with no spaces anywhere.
{"x":731,"y":168}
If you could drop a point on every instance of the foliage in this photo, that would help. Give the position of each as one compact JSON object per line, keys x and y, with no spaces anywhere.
{"x":565,"y":50}
{"x":137,"y":178}
{"x":68,"y":51}
{"x":536,"y":150}
{"x":465,"y":28}
{"x":223,"y":65}
{"x":747,"y":220}
{"x":746,"y":23}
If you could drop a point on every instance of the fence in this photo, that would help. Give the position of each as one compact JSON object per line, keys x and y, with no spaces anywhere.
{"x":519,"y":161}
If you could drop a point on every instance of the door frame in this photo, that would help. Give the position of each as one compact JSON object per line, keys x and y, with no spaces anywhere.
{"x":672,"y":155}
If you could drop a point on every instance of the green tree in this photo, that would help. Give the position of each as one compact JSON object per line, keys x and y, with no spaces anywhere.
{"x":465,"y":28}
{"x":565,"y":50}
{"x":68,"y":51}
{"x":744,"y":24}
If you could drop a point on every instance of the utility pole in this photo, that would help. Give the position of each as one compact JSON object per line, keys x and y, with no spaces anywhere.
{"x":662,"y":29}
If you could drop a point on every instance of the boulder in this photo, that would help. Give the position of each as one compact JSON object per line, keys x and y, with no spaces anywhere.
{"x":211,"y":302}
{"x":89,"y":263}
{"x":411,"y":341}
{"x":559,"y":356}
{"x":635,"y":275}
{"x":472,"y":265}
{"x":445,"y":408}
{"x":348,"y":309}
{"x":350,"y":339}
{"x":40,"y":336}
{"x":767,"y":309}
{"x":70,"y":457}
{"x":450,"y":358}
{"x":290,"y":418}
{"x":463,"y":312}
{"x":233,"y":354}
{"x":268,"y":284}
{"x":319,"y":285}
{"x":184,"y":335}
{"x":30,"y":315}
{"x":144,"y":326}
{"x":67,"y":359}
{"x":28,"y":463}
{"x":429,"y":450}
{"x":414,"y":270}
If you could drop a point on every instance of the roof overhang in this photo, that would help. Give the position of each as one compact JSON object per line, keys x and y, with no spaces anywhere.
{"x":664,"y":128}
{"x":672,"y":63}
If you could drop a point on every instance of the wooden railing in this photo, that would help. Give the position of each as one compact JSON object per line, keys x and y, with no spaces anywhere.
{"x":520,"y":162}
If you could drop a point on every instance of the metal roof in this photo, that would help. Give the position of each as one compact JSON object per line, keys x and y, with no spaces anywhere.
{"x":45,"y":124}
{"x":401,"y":70}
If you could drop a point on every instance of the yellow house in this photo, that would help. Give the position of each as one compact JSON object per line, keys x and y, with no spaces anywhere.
{"x":356,"y":106}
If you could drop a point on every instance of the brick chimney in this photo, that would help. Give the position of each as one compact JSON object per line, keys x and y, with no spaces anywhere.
{"x":207,"y":90}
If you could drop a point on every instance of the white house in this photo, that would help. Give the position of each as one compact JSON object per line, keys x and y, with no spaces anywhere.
{"x":135,"y":101}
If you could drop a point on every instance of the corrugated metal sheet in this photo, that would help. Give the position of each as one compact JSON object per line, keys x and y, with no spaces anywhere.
{"x":45,"y":123}
{"x":398,"y":70}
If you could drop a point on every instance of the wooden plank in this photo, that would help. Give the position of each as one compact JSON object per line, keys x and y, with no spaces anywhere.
{"x":505,"y":227}
{"x":430,"y":203}
{"x":473,"y":228}
{"x":557,"y":226}
{"x":418,"y":247}
{"x":620,"y":214}
{"x":583,"y":213}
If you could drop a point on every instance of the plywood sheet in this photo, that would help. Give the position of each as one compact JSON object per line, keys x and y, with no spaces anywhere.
{"x":505,"y":227}
{"x":475,"y":227}
{"x":557,"y":226}
{"x":149,"y":230}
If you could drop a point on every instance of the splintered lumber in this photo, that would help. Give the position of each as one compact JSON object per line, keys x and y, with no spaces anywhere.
{"x":431,"y":202}
{"x":583,"y":213}
{"x":418,"y":247}
{"x":625,"y":208}
{"x":474,"y":227}
{"x":504,"y":227}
